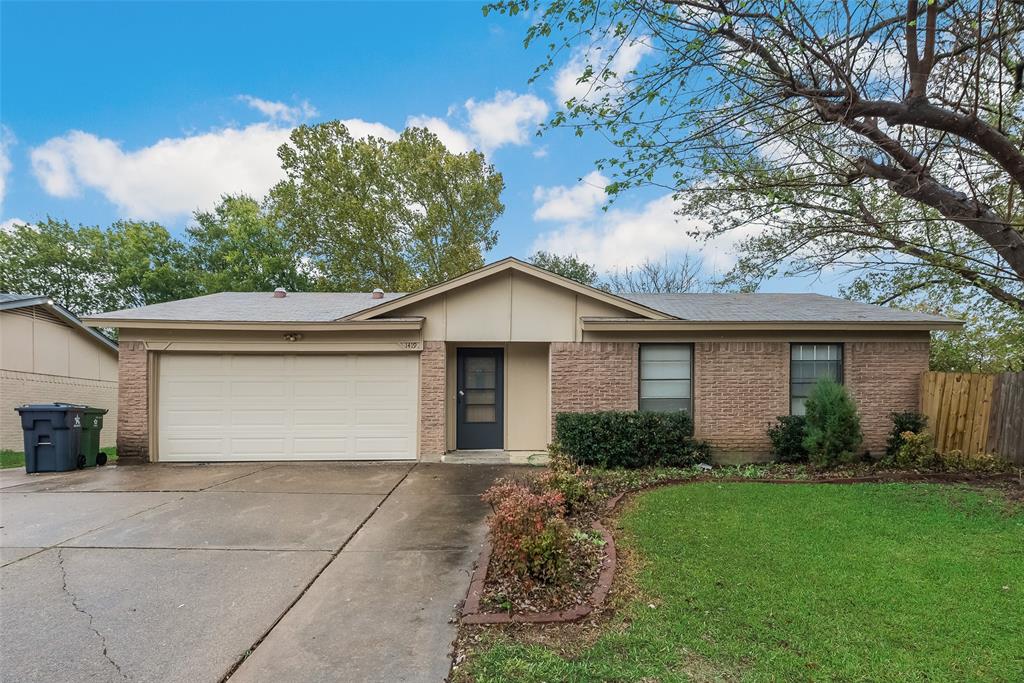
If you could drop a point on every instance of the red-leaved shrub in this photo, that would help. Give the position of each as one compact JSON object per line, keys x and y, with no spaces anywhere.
{"x":529,"y":536}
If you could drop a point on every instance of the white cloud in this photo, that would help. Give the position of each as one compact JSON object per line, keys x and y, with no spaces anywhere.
{"x":9,"y":224}
{"x":508,"y":119}
{"x":279,"y":111}
{"x":455,"y":140}
{"x":6,"y":142}
{"x":621,"y":238}
{"x":562,"y":203}
{"x":626,"y":58}
{"x":173,"y":176}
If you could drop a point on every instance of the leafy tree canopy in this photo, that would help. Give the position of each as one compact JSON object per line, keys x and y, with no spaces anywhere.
{"x":375,"y":213}
{"x":882,"y":138}
{"x":238,"y":246}
{"x":570,"y":266}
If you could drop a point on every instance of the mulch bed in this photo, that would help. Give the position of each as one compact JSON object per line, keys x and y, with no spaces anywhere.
{"x":577,"y":600}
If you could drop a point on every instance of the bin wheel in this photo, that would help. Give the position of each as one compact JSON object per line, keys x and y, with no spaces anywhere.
{"x":101,"y":459}
{"x":81,"y":462}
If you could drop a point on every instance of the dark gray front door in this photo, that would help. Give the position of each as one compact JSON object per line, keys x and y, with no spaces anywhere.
{"x":481,"y":383}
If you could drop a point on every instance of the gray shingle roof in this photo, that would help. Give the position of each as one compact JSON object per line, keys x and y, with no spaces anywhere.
{"x":699,"y":307}
{"x":255,"y":307}
{"x":6,"y":297}
{"x":763,"y":307}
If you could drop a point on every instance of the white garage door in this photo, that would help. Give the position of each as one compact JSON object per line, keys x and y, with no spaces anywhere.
{"x":287,"y":407}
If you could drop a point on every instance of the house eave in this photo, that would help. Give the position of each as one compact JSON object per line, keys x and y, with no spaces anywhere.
{"x":591,"y":324}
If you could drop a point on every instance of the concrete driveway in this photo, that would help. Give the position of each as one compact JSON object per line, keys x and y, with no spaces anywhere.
{"x":262,"y":572}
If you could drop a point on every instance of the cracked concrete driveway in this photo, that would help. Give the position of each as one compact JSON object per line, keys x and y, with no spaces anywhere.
{"x":257,"y":572}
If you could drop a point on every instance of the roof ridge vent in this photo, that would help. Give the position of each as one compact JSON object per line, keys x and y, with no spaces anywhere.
{"x":280,"y":293}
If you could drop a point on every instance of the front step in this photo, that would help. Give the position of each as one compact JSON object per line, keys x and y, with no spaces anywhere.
{"x":494,"y":457}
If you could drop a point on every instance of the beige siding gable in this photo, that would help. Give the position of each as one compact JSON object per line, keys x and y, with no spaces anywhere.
{"x":507,"y":306}
{"x":42,"y":345}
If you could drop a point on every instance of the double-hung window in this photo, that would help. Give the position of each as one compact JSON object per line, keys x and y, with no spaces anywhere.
{"x":808,"y":364}
{"x":666,"y":377}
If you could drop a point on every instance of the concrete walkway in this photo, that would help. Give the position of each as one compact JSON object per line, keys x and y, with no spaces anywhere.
{"x":264,"y":572}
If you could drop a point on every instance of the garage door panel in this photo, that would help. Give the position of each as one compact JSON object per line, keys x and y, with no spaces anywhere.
{"x":381,"y":388}
{"x":305,"y":389}
{"x":287,"y":407}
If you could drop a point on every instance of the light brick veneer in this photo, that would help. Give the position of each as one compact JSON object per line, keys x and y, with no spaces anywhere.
{"x":587,"y":376}
{"x":883,"y":377}
{"x":739,"y":389}
{"x":432,"y":404}
{"x":17,"y":388}
{"x":132,"y":403}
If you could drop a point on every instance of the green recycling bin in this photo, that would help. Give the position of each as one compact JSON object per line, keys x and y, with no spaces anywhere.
{"x":92,"y":424}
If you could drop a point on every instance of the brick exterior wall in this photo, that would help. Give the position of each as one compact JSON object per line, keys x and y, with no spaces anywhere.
{"x":587,"y":376}
{"x":17,"y":388}
{"x":432,"y":403}
{"x":739,"y":389}
{"x":133,"y":403}
{"x":883,"y":377}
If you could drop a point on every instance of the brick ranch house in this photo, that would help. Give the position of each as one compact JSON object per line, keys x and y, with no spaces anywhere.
{"x":485,"y":361}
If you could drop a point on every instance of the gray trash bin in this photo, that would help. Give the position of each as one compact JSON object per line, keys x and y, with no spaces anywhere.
{"x":53,"y":435}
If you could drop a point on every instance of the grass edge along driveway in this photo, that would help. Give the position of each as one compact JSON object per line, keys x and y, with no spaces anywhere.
{"x":12,"y":459}
{"x":761,"y":582}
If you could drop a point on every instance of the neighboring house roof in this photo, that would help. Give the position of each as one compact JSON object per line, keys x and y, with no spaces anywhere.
{"x":764,"y":307}
{"x":10,"y":302}
{"x":346,"y":309}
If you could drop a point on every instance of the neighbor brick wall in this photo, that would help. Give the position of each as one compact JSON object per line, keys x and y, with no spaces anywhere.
{"x":587,"y":376}
{"x":883,"y":377}
{"x":133,"y":402}
{"x":17,"y":388}
{"x":740,"y":388}
{"x":432,"y":404}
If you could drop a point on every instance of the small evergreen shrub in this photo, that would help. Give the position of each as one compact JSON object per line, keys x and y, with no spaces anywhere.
{"x":833,"y":426}
{"x":787,"y":437}
{"x":903,"y":422}
{"x":629,"y":439}
{"x":530,"y":538}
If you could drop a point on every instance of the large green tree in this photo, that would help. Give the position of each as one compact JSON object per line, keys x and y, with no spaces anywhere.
{"x":90,"y":269}
{"x":393,"y":214}
{"x":239,"y":247}
{"x":884,"y":138}
{"x":879,"y":135}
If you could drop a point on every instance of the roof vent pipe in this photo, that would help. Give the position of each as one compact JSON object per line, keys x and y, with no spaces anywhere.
{"x":280,"y":293}
{"x":378,"y":293}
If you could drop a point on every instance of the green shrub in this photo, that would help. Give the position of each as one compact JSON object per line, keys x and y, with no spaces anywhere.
{"x":833,"y":426}
{"x":917,"y":449}
{"x":958,"y":461}
{"x":629,"y":439}
{"x":787,"y":437}
{"x":903,"y":422}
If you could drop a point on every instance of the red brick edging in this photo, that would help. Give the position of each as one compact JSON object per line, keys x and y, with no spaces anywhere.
{"x":471,"y":613}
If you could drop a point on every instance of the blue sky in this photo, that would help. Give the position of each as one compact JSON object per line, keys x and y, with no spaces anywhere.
{"x":151,"y":110}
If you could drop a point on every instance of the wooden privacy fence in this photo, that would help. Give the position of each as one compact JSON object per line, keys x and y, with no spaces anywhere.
{"x":976,"y":413}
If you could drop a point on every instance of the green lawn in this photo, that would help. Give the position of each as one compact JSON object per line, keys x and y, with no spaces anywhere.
{"x":10,"y":459}
{"x":760,"y":582}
